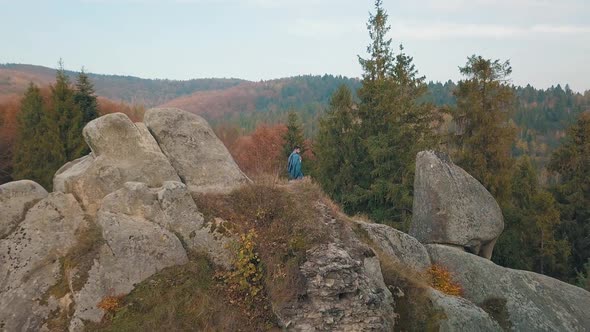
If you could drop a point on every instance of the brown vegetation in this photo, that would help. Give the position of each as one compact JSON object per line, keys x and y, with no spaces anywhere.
{"x":259,"y":153}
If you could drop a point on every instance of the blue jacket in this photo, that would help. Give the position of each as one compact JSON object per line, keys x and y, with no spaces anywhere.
{"x":294,"y":166}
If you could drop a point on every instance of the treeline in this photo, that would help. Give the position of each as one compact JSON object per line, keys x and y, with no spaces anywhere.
{"x":42,"y":130}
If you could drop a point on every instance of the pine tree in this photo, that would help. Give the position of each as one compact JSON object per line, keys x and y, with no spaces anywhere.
{"x":337,"y":150}
{"x":85,"y":98}
{"x":485,"y":136}
{"x":38,"y":150}
{"x":294,"y":135}
{"x":394,"y":125}
{"x":572,"y":162}
{"x":366,"y":154}
{"x":29,"y":121}
{"x":68,"y":116}
{"x":406,"y":129}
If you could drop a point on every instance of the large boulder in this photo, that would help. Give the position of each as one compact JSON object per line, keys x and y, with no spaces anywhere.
{"x":451,"y":207}
{"x":518,"y":300}
{"x":201,"y":159}
{"x":135,"y":249}
{"x":30,"y":261}
{"x":398,"y":247}
{"x":16,"y":198}
{"x":121,"y":151}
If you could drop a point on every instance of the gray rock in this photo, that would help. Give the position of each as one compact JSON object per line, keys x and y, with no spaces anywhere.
{"x":16,"y":198}
{"x":121,"y":151}
{"x":29,"y":261}
{"x":460,"y":314}
{"x":135,"y":249}
{"x":201,"y":159}
{"x":172,"y":207}
{"x":399,"y":247}
{"x":451,"y":207}
{"x":343,"y":294}
{"x":519,"y":300}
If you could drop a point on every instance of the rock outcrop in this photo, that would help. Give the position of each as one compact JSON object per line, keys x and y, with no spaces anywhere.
{"x":172,"y":208}
{"x":121,"y":152}
{"x":519,"y":300}
{"x":135,"y":249}
{"x":16,"y":198}
{"x":343,"y":293}
{"x":127,"y":211}
{"x":451,"y":207}
{"x":30,"y":261}
{"x":201,"y":159}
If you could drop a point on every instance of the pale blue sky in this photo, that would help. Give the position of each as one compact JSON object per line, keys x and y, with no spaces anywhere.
{"x":548,"y":41}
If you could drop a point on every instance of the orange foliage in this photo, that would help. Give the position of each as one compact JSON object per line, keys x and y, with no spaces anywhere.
{"x":217,"y":103}
{"x":9,"y":107}
{"x":261,"y":152}
{"x":107,"y":106}
{"x":440,"y":279}
{"x":110,"y":303}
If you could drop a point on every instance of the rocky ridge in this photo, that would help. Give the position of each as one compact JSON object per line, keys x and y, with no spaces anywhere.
{"x":127,"y":211}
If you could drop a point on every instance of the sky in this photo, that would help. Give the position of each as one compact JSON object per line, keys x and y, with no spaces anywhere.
{"x":546,"y":41}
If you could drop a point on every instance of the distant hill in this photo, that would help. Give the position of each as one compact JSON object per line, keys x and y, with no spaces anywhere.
{"x":220,"y":100}
{"x":541,"y":115}
{"x":14,"y":79}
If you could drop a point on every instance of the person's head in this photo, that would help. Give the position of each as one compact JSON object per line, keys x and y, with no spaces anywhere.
{"x":297,"y":149}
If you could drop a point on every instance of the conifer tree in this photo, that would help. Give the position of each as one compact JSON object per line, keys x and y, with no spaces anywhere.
{"x":67,"y":115}
{"x":85,"y":98}
{"x":294,"y":135}
{"x":38,"y":150}
{"x":572,"y":162}
{"x":485,"y":136}
{"x":391,"y":126}
{"x":337,"y":149}
{"x":530,"y":240}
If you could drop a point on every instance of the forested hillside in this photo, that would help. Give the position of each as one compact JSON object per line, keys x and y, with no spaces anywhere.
{"x":14,"y":78}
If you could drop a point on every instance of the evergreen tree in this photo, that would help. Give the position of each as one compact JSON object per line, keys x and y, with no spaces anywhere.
{"x":38,"y":152}
{"x":530,"y":240}
{"x":294,"y":135}
{"x":485,"y":137}
{"x":388,"y":129}
{"x":337,"y":146}
{"x":85,"y":98}
{"x":67,"y":115}
{"x":572,"y":162}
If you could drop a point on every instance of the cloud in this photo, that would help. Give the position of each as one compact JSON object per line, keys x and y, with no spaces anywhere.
{"x":430,"y":31}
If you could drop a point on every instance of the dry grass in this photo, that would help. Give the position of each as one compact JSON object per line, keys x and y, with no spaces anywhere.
{"x":286,"y":223}
{"x":179,"y":298}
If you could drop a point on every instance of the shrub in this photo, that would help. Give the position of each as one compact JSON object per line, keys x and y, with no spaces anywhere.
{"x":440,"y":279}
{"x":110,"y":304}
{"x":245,"y":280}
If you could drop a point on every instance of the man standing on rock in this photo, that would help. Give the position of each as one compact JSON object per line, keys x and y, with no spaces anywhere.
{"x":294,"y":164}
